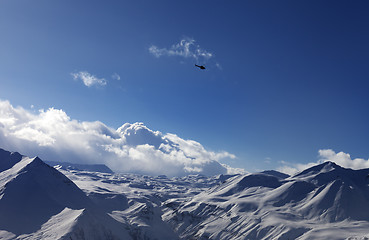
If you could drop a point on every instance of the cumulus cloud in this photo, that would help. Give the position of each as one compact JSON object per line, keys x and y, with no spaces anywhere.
{"x":343,"y":159}
{"x":88,"y":79}
{"x":186,"y":48}
{"x":340,"y":158}
{"x":53,"y":135}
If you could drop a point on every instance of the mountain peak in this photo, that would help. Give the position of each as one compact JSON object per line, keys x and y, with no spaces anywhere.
{"x":8,"y":159}
{"x":320,"y":168}
{"x":42,"y":187}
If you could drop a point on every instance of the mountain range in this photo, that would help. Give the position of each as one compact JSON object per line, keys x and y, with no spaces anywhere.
{"x":39,"y":201}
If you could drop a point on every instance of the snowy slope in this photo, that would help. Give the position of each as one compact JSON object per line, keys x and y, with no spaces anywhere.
{"x":137,"y":200}
{"x":80,"y":225}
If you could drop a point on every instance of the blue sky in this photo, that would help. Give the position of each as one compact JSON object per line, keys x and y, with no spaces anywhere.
{"x":284,"y":80}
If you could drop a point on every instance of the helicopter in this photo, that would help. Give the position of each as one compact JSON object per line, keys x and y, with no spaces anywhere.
{"x":200,"y":66}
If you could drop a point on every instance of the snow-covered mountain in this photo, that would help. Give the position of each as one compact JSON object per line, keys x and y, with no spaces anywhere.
{"x":323,"y":202}
{"x":40,"y":202}
{"x":82,"y":167}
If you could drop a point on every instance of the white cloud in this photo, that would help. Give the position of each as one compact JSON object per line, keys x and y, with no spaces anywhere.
{"x":232,"y":170}
{"x":186,"y":48}
{"x":268,"y":160}
{"x":89,"y":79}
{"x":54,"y":136}
{"x":341,"y":158}
{"x":293,"y":168}
{"x":218,"y":66}
{"x":115,"y":76}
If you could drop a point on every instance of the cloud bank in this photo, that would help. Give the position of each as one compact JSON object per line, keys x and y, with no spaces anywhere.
{"x":340,"y":158}
{"x":88,"y":79}
{"x":54,"y":136}
{"x":186,"y":48}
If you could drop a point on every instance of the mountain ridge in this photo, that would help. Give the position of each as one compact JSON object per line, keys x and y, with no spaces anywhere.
{"x":83,"y":167}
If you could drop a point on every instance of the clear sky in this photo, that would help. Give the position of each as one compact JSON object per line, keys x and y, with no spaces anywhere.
{"x":283,"y":79}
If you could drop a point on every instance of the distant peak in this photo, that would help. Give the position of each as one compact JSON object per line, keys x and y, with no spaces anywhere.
{"x":8,"y":159}
{"x":276,"y":174}
{"x":323,"y":167}
{"x":82,"y":167}
{"x":15,"y":154}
